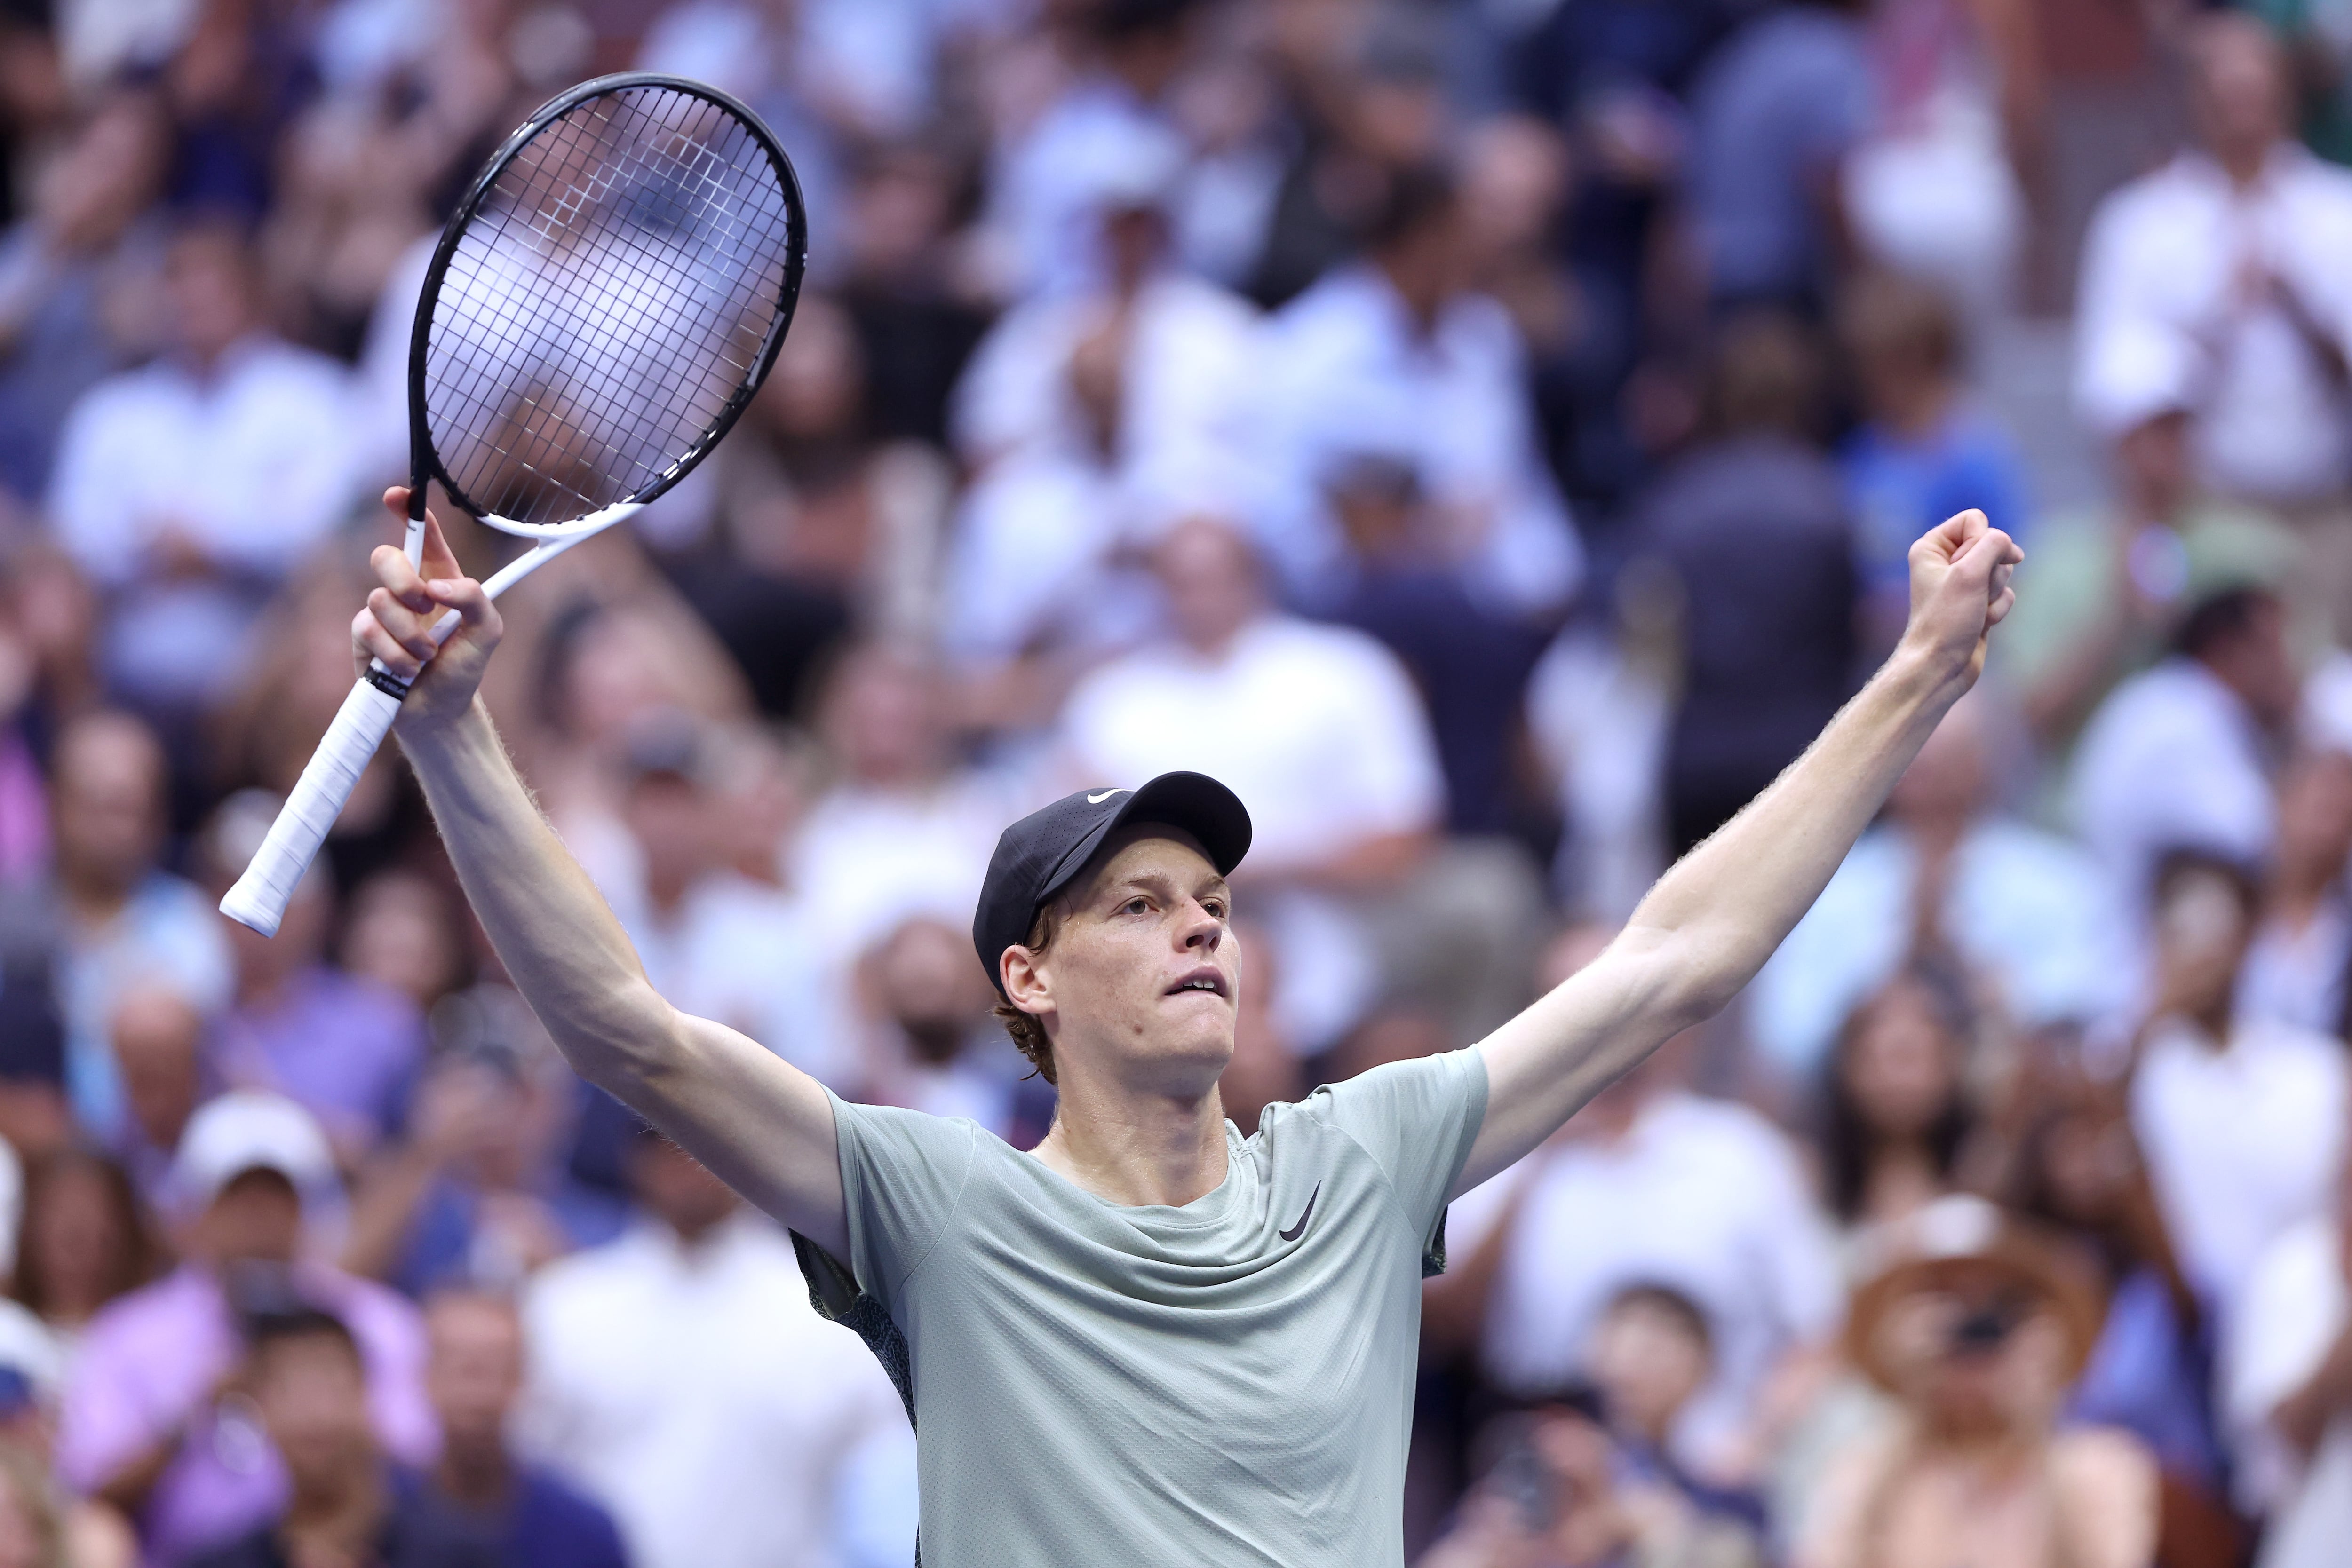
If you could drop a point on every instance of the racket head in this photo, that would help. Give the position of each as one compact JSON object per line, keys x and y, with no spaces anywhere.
{"x":610,"y":293}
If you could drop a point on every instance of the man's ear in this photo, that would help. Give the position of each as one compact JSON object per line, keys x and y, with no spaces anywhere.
{"x":1026,"y":985}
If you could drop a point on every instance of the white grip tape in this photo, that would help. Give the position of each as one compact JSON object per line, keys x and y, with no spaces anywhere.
{"x":261,"y":895}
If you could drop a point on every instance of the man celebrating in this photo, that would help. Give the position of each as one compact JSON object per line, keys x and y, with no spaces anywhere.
{"x":1150,"y":1340}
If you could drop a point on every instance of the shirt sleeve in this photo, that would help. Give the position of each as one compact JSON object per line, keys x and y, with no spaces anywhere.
{"x":902,"y":1175}
{"x":2291,"y":1310}
{"x":1417,"y":1120}
{"x":1398,"y":783}
{"x":103,"y":1422}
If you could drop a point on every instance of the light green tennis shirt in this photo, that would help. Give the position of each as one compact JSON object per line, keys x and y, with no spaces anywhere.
{"x":1230,"y":1382}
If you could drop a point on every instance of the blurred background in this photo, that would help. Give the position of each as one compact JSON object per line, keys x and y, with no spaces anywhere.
{"x":1485,"y":432}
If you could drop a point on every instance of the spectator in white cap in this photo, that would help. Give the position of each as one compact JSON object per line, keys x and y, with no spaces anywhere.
{"x":2109,"y":581}
{"x":148,"y":1423}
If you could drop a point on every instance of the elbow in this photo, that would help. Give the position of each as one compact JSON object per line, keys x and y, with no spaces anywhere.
{"x":1675,"y":1015}
{"x":1678,"y":977}
{"x":1696,"y":990}
{"x":633,"y":1038}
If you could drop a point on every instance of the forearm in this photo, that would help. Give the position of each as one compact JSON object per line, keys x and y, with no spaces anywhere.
{"x":559,"y":940}
{"x":1709,"y":924}
{"x":1725,"y":906}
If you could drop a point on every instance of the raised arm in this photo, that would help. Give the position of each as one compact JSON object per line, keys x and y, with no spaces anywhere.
{"x":759,"y":1124}
{"x":1709,"y":924}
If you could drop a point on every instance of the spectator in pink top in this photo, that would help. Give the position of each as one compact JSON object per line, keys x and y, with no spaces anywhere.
{"x":154,"y":1421}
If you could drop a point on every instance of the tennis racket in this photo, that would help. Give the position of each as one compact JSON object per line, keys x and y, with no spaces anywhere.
{"x":607,"y":297}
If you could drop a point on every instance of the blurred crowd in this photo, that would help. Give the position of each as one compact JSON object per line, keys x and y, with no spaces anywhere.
{"x":1486,"y":433}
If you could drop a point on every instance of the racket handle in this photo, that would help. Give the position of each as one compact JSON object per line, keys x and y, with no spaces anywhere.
{"x":260,"y":896}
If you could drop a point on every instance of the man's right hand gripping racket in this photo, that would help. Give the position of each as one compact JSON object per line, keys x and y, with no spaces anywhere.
{"x":610,"y":293}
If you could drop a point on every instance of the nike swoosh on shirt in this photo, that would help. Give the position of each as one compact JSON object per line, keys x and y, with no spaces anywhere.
{"x":1295,"y":1231}
{"x":1099,"y":800}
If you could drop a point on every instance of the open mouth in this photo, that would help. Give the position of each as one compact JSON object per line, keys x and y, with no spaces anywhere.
{"x":1208,"y":980}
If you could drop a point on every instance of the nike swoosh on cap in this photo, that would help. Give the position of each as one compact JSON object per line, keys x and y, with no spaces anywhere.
{"x":1099,"y":800}
{"x":1295,"y":1231}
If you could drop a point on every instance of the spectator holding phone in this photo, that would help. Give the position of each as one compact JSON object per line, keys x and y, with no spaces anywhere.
{"x":1561,"y":1493}
{"x":347,"y":1506}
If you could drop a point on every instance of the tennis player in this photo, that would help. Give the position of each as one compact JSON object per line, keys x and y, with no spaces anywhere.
{"x":1149,"y":1341}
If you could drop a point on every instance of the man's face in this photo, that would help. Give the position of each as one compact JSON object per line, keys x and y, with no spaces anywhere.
{"x":109,"y":803}
{"x":670,"y":818}
{"x":1211,"y":580}
{"x":313,"y":1401}
{"x":2257,"y":666}
{"x":927,"y":983}
{"x":884,"y":718}
{"x":2153,"y":460}
{"x":1142,"y":978}
{"x":256,"y":1218}
{"x":2239,"y":88}
{"x":156,"y":1034}
{"x":476,"y":1371}
{"x":1648,"y":1364}
{"x":208,"y":282}
{"x":2201,"y":934}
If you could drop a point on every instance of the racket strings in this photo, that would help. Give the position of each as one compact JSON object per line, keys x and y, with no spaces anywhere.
{"x":542,"y":426}
{"x":634,"y":299}
{"x":606,"y":305}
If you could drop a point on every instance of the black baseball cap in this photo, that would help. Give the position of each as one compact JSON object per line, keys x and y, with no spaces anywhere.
{"x":1037,"y":856}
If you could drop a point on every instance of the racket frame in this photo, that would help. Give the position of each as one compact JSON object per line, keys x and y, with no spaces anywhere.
{"x":259,"y":899}
{"x":426,"y":463}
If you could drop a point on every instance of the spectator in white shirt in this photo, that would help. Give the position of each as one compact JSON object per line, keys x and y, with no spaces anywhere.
{"x":2287,"y":1389}
{"x":904,"y":829}
{"x":122,"y":922}
{"x":2295,"y":969}
{"x":2229,"y":258}
{"x":1392,"y":355}
{"x":680,"y":1376}
{"x":741,"y":950}
{"x":2228,"y":261}
{"x":2026,"y":911}
{"x":2180,"y":755}
{"x":1045,"y":175}
{"x":189,"y":487}
{"x":1181,"y":344}
{"x":2242,"y":1121}
{"x":1080,"y":410}
{"x":1316,"y":729}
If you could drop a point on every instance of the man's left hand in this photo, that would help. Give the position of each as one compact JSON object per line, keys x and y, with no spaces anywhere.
{"x":1959,"y":592}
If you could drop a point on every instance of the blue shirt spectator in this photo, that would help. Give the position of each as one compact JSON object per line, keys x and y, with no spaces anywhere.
{"x":1924,"y":449}
{"x":534,"y":1520}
